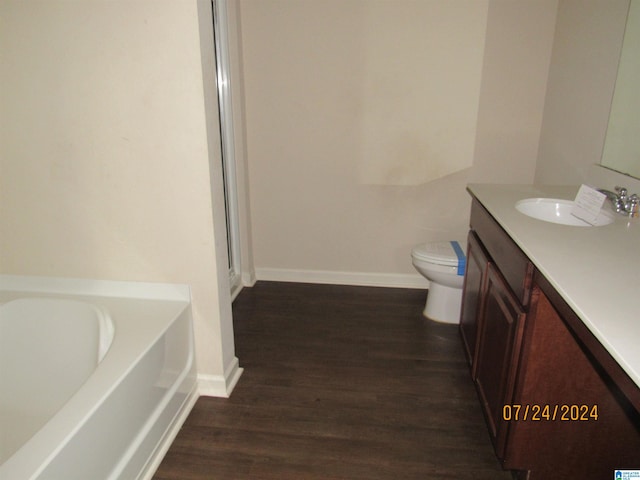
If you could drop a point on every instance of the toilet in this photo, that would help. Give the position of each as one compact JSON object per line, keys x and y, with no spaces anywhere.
{"x":443,"y":264}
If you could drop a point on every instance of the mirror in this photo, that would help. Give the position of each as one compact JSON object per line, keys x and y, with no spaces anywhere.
{"x":622,"y":144}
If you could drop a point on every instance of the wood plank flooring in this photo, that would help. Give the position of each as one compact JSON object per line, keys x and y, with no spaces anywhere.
{"x":342,"y":383}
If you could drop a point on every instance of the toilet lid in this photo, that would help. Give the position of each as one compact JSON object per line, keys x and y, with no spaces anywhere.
{"x":440,"y":253}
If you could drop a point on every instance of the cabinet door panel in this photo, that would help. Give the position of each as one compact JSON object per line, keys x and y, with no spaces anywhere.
{"x":473,"y":293}
{"x":498,"y":353}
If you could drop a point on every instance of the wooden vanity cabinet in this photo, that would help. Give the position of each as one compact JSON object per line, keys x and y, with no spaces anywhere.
{"x":492,"y":316}
{"x":528,"y":350}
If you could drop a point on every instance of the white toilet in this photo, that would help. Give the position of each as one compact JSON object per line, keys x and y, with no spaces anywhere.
{"x":443,"y":264}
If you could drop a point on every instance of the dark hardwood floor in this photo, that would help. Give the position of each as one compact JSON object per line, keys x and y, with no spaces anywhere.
{"x":339,"y":383}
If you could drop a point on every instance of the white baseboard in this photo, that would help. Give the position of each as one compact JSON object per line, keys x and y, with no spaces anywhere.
{"x":219,"y":385}
{"x":249,"y":278}
{"x":343,"y":278}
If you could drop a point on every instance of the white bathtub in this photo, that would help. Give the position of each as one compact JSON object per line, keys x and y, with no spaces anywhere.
{"x":95,"y":378}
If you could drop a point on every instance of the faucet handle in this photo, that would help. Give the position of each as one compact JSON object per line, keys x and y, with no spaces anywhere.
{"x":622,"y":191}
{"x":634,"y":205}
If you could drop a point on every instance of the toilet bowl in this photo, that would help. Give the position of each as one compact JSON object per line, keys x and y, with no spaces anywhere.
{"x":443,"y":264}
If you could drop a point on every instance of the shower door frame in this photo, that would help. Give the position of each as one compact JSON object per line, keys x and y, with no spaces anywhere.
{"x":225,"y":111}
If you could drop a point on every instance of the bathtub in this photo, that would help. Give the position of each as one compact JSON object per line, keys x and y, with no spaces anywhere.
{"x":95,"y":377}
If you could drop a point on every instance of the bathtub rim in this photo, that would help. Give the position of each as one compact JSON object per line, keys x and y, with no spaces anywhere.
{"x":90,"y":287}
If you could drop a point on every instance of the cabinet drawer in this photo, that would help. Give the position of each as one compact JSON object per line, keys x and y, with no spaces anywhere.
{"x":505,"y":254}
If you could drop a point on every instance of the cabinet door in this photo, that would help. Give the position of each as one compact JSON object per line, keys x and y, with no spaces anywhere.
{"x":473,"y":293}
{"x":498,"y":353}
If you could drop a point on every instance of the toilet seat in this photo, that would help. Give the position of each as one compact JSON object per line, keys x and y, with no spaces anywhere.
{"x":439,"y":253}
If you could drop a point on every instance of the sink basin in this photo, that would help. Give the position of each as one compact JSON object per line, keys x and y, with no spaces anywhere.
{"x":556,"y":210}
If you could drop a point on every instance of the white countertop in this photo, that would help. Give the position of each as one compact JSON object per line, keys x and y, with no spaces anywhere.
{"x":596,"y":270}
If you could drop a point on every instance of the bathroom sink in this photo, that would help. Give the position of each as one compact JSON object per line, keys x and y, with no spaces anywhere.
{"x":556,"y":210}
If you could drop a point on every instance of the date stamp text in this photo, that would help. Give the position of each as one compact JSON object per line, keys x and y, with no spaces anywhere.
{"x":546,"y":412}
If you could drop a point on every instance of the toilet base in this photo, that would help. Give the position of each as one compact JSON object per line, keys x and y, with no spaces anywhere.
{"x":443,"y":303}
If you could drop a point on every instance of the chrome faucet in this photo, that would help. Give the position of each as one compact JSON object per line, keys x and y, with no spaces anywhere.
{"x":622,"y":202}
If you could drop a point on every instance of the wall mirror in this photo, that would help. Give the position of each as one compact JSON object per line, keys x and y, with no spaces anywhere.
{"x":622,"y":144}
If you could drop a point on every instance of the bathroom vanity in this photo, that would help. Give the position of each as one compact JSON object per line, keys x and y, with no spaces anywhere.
{"x":550,"y":324}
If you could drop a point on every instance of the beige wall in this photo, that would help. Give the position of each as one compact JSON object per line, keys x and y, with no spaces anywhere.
{"x":105,"y":152}
{"x":109,"y":152}
{"x":366,"y":119}
{"x":514,"y":78}
{"x":580,"y":87}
